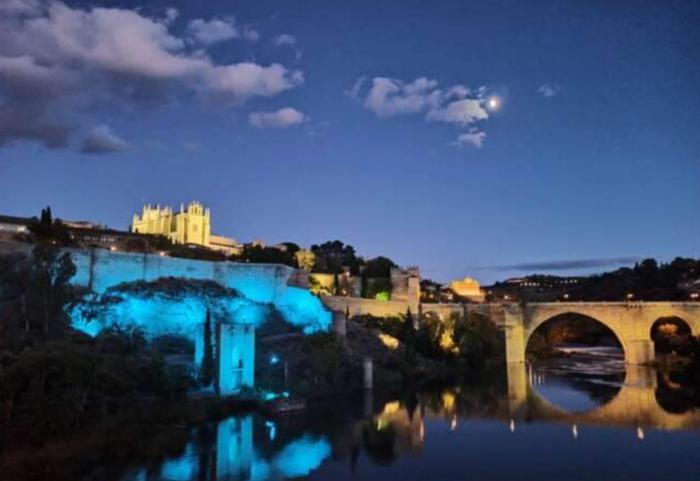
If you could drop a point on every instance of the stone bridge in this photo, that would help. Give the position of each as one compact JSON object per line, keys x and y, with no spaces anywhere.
{"x":631,"y":322}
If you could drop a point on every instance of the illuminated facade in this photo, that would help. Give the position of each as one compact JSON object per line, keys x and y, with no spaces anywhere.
{"x":468,"y":288}
{"x":191,"y":225}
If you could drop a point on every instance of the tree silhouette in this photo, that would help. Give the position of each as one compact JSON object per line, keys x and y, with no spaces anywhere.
{"x":206,"y":372}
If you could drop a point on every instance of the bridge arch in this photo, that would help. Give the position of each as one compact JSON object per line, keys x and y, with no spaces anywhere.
{"x":669,"y":333}
{"x":602,"y":327}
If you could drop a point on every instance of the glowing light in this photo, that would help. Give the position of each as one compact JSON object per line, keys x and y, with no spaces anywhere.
{"x":512,"y":425}
{"x":574,"y":431}
{"x":389,"y":341}
{"x":274,"y":359}
{"x":494,"y":103}
{"x":391,"y":407}
{"x":382,"y":296}
{"x":640,"y":433}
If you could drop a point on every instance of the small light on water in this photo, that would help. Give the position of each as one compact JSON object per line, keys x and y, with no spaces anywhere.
{"x":574,"y":431}
{"x":640,"y":433}
{"x":512,"y":425}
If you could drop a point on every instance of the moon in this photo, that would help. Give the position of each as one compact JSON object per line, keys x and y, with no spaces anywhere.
{"x":494,"y":103}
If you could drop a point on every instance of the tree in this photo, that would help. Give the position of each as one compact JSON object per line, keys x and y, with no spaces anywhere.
{"x":379,"y":267}
{"x":206,"y":372}
{"x":305,"y":259}
{"x":50,"y":292}
{"x":45,"y":229}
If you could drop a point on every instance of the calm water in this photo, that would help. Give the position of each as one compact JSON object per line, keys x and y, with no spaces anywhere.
{"x":581,"y":418}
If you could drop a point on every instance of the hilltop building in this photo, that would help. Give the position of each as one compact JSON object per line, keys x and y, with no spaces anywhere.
{"x":468,"y":289}
{"x":191,"y":225}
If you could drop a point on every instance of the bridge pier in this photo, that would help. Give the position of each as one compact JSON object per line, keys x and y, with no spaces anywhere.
{"x":639,"y":351}
{"x":515,"y":335}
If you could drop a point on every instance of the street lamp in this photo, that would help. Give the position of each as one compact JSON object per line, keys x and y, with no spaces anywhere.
{"x":694,"y":296}
{"x":630,"y":296}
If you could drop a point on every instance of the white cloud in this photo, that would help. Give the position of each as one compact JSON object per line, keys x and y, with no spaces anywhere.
{"x":213,"y":31}
{"x":473,"y":137}
{"x":549,"y":90}
{"x":354,"y":91}
{"x":55,"y":58}
{"x":458,"y":105}
{"x":101,"y":140}
{"x":243,"y":80}
{"x":285,"y":117}
{"x":285,"y":39}
{"x":388,"y":97}
{"x":251,"y":34}
{"x":463,"y":112}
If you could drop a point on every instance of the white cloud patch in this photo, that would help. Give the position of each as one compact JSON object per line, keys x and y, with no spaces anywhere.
{"x":56,"y":59}
{"x":458,"y":104}
{"x":285,"y":39}
{"x":285,"y":117}
{"x":462,"y":112}
{"x":473,"y":137}
{"x":549,"y":90}
{"x":101,"y":140}
{"x":212,"y":31}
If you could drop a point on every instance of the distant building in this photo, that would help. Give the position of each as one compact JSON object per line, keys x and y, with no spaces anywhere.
{"x":11,"y":226}
{"x":468,"y":289}
{"x":535,"y":288}
{"x":191,"y":225}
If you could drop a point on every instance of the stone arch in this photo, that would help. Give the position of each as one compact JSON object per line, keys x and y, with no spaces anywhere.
{"x":667,"y":331}
{"x":546,"y":317}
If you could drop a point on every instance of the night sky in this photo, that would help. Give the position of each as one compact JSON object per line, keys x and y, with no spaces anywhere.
{"x":366,"y":121}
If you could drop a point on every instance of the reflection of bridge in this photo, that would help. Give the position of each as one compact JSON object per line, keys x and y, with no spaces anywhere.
{"x":631,"y":322}
{"x":635,"y":404}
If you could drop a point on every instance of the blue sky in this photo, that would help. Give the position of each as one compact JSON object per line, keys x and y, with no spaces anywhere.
{"x":593,"y":155}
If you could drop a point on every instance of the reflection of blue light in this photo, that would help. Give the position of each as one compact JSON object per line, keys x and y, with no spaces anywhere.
{"x":269,"y":395}
{"x":272,"y":430}
{"x":274,"y":359}
{"x":182,"y":468}
{"x":302,"y":456}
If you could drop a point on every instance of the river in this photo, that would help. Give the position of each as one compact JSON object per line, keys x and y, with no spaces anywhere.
{"x":585,"y":417}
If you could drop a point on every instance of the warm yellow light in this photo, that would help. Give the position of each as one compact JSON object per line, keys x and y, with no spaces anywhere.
{"x":392,"y":407}
{"x":389,"y":341}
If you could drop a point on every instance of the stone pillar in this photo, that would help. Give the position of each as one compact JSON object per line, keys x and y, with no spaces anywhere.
{"x":514,"y":334}
{"x":639,"y":352}
{"x":339,"y":324}
{"x":367,"y":369}
{"x":227,"y":380}
{"x":247,"y":355}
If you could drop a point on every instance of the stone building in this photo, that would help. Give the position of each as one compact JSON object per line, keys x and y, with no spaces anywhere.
{"x":468,"y":289}
{"x":191,"y":225}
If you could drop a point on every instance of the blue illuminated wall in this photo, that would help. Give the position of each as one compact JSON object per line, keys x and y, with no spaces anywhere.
{"x":254,"y":290}
{"x":100,"y":269}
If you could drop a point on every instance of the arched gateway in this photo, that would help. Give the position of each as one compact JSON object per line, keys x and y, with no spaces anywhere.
{"x":631,"y":322}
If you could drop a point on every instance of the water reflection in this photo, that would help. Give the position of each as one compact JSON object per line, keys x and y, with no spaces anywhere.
{"x":575,"y":416}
